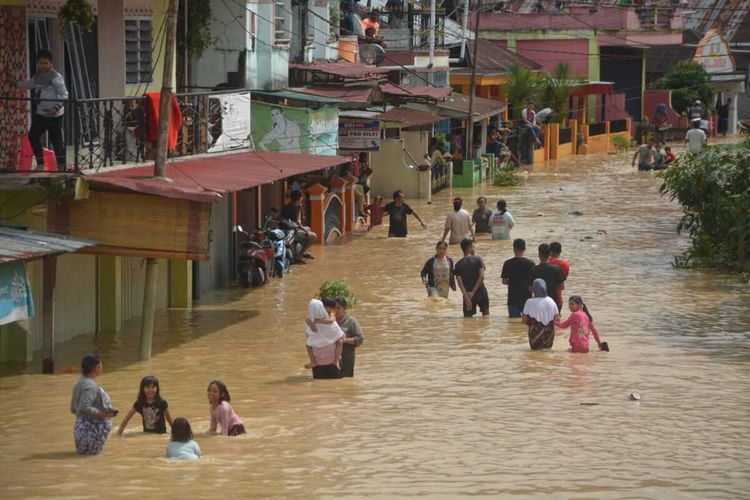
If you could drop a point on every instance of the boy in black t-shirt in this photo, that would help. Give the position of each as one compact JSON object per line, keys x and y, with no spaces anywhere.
{"x":515,"y":274}
{"x":469,"y":272}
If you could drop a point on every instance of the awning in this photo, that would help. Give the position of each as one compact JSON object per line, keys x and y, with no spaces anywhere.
{"x":342,"y":69}
{"x":206,"y":179}
{"x":416,"y":91}
{"x":357,"y":95}
{"x":296,"y":96}
{"x":19,"y":244}
{"x":457,"y":106}
{"x":593,"y":88}
{"x":407,"y":117}
{"x":493,"y":59}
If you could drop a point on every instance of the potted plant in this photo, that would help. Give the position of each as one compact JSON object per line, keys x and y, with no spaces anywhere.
{"x":78,"y":11}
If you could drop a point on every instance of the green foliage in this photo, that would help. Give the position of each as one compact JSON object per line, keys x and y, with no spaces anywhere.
{"x":334,"y":16}
{"x":78,"y":11}
{"x":713,"y":188}
{"x":620,"y":142}
{"x":506,"y":177}
{"x":555,"y":89}
{"x":521,"y":86}
{"x":336,"y":288}
{"x":688,"y":82}
{"x":199,"y":27}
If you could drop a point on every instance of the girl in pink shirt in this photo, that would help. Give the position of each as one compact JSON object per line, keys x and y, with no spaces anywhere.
{"x":580,"y":323}
{"x":222,"y":413}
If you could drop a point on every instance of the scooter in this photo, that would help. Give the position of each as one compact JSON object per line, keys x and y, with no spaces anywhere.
{"x":282,"y":255}
{"x":252,"y":261}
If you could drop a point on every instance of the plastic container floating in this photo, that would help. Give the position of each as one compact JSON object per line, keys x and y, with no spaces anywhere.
{"x":634,"y":396}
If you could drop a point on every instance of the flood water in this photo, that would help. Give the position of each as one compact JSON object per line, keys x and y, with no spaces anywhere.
{"x":440,"y":405}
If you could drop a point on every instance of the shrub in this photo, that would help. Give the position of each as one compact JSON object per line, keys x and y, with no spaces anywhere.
{"x":336,"y":288}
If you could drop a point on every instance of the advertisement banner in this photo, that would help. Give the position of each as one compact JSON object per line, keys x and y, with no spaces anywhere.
{"x":16,"y":302}
{"x":359,"y":135}
{"x":295,"y":130}
{"x":228,"y":121}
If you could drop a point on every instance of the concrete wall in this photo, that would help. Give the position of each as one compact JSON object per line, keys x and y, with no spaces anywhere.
{"x":111,"y":41}
{"x":217,"y":272}
{"x":133,"y":279}
{"x":389,"y":171}
{"x":229,"y":33}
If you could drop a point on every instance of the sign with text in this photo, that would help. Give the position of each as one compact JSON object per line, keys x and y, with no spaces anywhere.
{"x":228,"y":122}
{"x":287,"y":129}
{"x":359,"y":135}
{"x":714,"y":54}
{"x":15,"y":296}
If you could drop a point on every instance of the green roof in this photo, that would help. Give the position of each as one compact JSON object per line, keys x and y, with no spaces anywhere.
{"x":297,"y":96}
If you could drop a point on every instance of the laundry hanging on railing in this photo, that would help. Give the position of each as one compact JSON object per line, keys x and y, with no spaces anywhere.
{"x":152,"y":123}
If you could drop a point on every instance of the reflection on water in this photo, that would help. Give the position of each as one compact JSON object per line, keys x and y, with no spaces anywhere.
{"x":440,"y":405}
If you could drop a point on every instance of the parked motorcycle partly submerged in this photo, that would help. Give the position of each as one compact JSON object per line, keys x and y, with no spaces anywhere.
{"x":252,"y":260}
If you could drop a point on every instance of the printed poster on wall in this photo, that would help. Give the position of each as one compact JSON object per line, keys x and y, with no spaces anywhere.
{"x":359,"y":135}
{"x":16,"y":302}
{"x":228,"y":121}
{"x":295,"y":130}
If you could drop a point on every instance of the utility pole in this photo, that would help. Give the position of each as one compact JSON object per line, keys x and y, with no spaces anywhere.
{"x":160,"y":173}
{"x":473,"y":88}
{"x":432,"y":34}
{"x":464,"y":23}
{"x":185,"y":54}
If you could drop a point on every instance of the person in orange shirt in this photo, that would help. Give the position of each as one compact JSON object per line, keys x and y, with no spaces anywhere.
{"x":373,"y":21}
{"x":555,"y":250}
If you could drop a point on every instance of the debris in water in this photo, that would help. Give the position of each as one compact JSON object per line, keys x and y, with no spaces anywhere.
{"x":575,"y":212}
{"x":634,"y":396}
{"x":540,"y":214}
{"x":589,"y":404}
{"x":601,"y":231}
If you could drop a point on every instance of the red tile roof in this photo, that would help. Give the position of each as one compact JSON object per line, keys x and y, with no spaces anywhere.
{"x":407,"y":117}
{"x":350,"y":94}
{"x":342,"y":69}
{"x":416,"y":91}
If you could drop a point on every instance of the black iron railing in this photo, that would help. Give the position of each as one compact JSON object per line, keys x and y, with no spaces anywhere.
{"x":565,"y":136}
{"x":618,"y":125}
{"x":106,"y":132}
{"x":597,"y":128}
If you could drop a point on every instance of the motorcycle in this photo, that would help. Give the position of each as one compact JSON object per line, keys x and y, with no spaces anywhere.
{"x":252,"y":261}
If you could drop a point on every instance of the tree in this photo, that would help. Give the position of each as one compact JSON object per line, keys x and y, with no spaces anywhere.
{"x":556,"y":89}
{"x":521,"y":86}
{"x":688,"y":82}
{"x":713,"y":188}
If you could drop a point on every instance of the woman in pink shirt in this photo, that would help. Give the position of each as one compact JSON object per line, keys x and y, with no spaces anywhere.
{"x":581,"y":324}
{"x":222,"y":413}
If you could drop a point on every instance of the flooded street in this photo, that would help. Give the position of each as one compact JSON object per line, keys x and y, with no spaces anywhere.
{"x":440,"y":405}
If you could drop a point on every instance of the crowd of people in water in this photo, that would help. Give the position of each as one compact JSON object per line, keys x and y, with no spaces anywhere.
{"x":535,"y":294}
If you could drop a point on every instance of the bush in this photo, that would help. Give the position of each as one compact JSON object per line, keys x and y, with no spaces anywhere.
{"x":620,"y":142}
{"x":688,"y":82}
{"x":506,"y":177}
{"x":713,"y":188}
{"x":336,"y":288}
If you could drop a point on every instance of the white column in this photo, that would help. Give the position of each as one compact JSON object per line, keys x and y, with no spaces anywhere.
{"x":732,"y":125}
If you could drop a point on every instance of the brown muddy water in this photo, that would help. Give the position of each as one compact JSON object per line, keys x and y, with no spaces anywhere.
{"x":440,"y":405}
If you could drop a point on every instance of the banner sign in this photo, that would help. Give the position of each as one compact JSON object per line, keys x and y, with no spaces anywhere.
{"x":295,"y":130}
{"x":714,"y":54}
{"x":228,"y":121}
{"x":16,"y":302}
{"x":359,"y":135}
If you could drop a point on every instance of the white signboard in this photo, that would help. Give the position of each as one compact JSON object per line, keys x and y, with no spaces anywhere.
{"x":359,"y":135}
{"x":228,"y":121}
{"x":713,"y":53}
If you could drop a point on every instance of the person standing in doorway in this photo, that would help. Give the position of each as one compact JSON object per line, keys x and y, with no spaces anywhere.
{"x":555,"y":249}
{"x":695,"y":138}
{"x":458,"y":224}
{"x":353,"y":336}
{"x":551,"y":274}
{"x":515,"y":274}
{"x":469,"y":274}
{"x":397,"y":210}
{"x":481,"y":216}
{"x":48,"y":92}
{"x":723,"y":111}
{"x":645,"y":155}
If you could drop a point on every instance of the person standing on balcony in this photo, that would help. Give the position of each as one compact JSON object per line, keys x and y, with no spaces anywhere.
{"x":48,"y":92}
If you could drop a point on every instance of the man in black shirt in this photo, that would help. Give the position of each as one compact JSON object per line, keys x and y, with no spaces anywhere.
{"x":398,"y":210}
{"x":291,"y":214}
{"x":551,"y":273}
{"x":469,"y":273}
{"x":515,"y":274}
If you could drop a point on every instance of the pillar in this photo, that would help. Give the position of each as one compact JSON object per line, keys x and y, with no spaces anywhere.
{"x":181,"y":283}
{"x":351,"y":204}
{"x":317,"y":193}
{"x":584,"y":147}
{"x":732,"y":125}
{"x":48,"y":314}
{"x":554,"y":141}
{"x":573,"y":124}
{"x":338,"y":187}
{"x":110,"y":293}
{"x":546,"y":131}
{"x":606,"y":133}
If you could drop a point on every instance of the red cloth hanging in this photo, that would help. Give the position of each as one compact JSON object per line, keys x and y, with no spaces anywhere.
{"x":152,"y":125}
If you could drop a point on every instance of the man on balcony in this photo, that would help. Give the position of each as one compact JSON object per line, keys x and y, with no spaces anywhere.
{"x":529,"y":119}
{"x":48,"y":93}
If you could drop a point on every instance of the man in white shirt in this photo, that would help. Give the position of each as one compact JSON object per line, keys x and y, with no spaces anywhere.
{"x":458,"y":223}
{"x":695,"y":138}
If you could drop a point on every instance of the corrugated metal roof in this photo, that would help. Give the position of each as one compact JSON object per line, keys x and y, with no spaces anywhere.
{"x":407,"y":117}
{"x":416,"y":91}
{"x":342,"y":69}
{"x":494,"y":59}
{"x":359,"y":95}
{"x":457,"y":106}
{"x":19,"y":244}
{"x":297,"y":96}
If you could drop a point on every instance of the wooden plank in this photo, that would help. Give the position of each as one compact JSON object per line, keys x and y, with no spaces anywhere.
{"x":48,"y":314}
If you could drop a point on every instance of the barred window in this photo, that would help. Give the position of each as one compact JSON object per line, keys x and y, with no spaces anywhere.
{"x":138,"y":46}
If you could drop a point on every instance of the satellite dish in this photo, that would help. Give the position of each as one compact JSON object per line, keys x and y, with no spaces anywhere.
{"x":371,"y":54}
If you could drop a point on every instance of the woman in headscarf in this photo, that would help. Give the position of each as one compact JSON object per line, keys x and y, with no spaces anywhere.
{"x":324,"y":339}
{"x":540,"y":314}
{"x":93,"y":409}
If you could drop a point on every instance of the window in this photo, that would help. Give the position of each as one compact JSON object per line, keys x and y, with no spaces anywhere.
{"x":281,"y":22}
{"x":138,"y":47}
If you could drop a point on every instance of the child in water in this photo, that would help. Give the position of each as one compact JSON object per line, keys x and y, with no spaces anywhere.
{"x":152,"y":407}
{"x":321,"y":328}
{"x":182,"y":445}
{"x":580,"y":323}
{"x":222,"y":413}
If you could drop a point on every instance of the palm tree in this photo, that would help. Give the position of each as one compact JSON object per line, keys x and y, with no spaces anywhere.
{"x":556,"y":89}
{"x":521,"y":86}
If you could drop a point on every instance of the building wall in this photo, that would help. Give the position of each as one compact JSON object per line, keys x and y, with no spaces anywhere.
{"x":218,"y":270}
{"x":624,"y":67}
{"x":133,"y":280}
{"x":230,"y":34}
{"x":552,"y":51}
{"x":389,"y":171}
